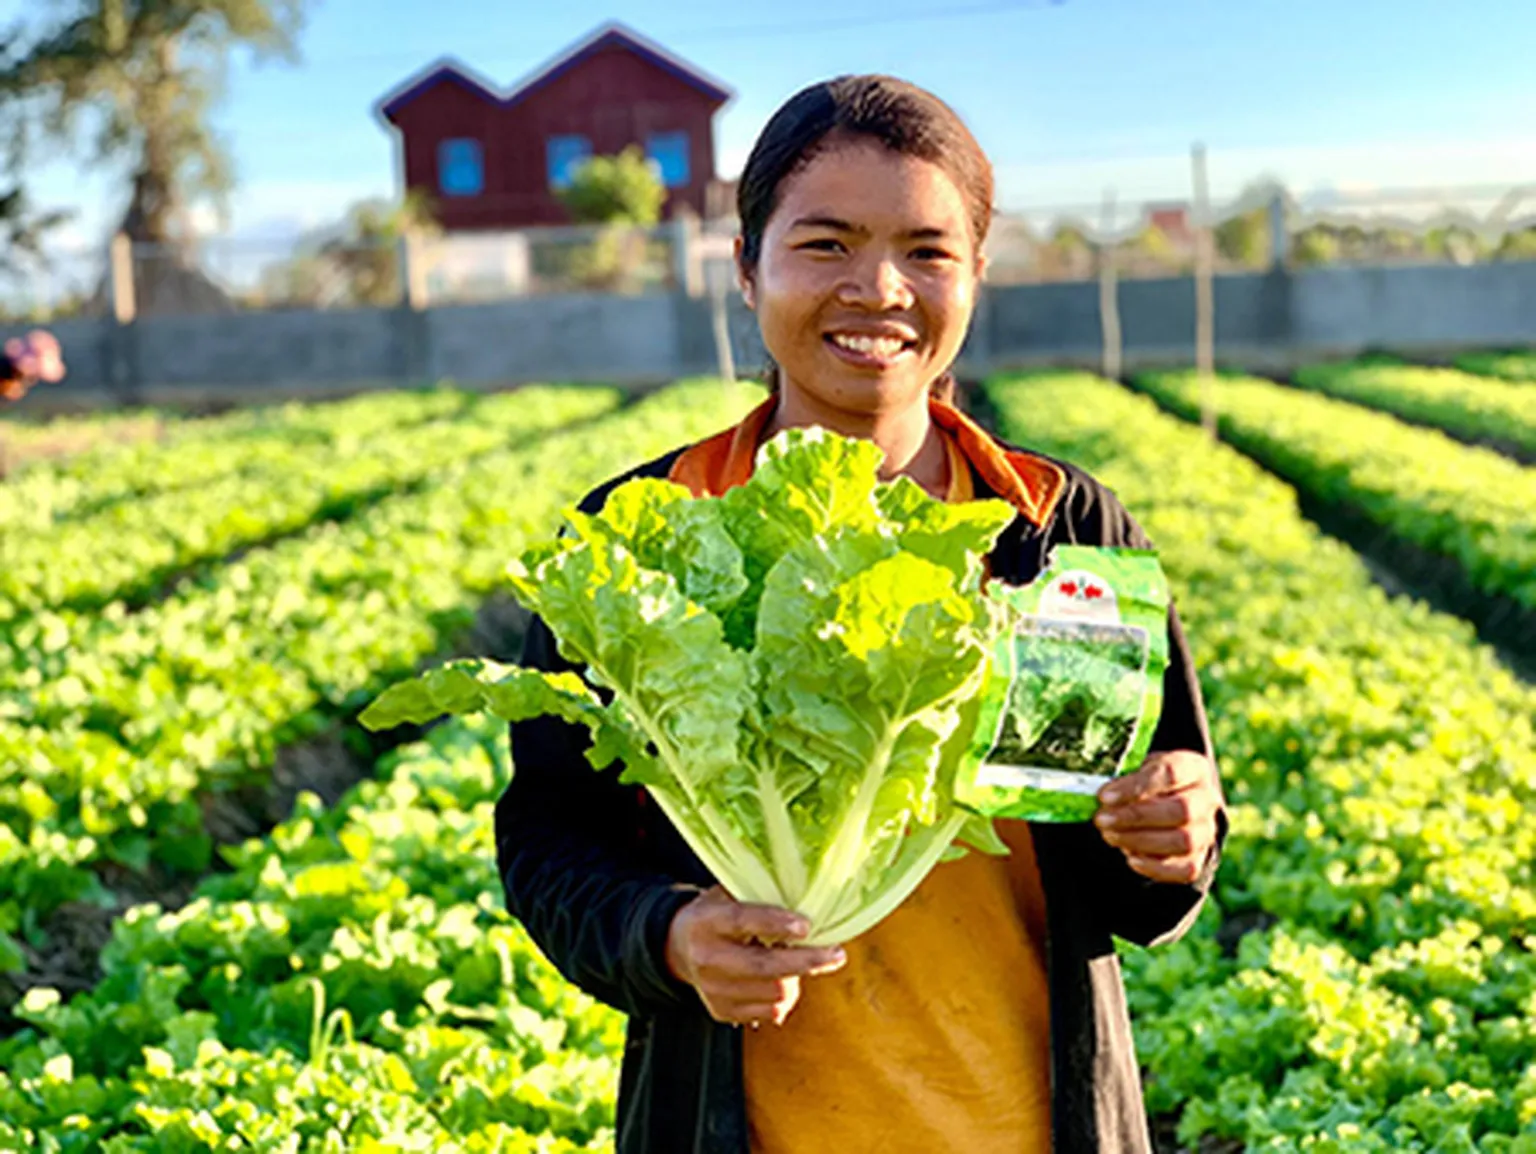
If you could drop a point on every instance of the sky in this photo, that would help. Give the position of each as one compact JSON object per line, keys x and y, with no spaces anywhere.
{"x":1069,"y":97}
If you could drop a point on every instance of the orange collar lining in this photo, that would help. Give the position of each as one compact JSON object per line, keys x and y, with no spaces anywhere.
{"x":1031,"y":484}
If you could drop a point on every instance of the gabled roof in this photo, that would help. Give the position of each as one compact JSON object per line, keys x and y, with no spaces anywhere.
{"x":610,"y":35}
{"x":444,"y":70}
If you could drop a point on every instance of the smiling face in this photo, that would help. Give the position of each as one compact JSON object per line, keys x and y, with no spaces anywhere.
{"x":866,"y":280}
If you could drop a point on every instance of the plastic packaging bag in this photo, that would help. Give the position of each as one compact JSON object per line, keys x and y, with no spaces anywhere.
{"x":1077,"y":688}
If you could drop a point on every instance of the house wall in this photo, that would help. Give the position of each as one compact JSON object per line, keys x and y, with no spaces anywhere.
{"x":613,"y":97}
{"x":446,"y":111}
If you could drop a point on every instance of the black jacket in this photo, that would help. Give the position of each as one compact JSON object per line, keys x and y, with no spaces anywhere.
{"x":596,"y":875}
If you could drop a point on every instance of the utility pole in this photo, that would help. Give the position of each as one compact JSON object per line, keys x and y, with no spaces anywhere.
{"x":1205,"y":294}
{"x":1109,"y":289}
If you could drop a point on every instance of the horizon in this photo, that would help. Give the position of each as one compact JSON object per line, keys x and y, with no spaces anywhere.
{"x":1070,"y":98}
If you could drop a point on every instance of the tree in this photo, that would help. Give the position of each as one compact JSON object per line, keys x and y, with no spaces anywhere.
{"x":22,"y":231}
{"x":141,"y":76}
{"x":1243,"y":239}
{"x":358,"y":263}
{"x":1315,"y":245}
{"x":621,"y":189}
{"x":622,"y":194}
{"x":1518,"y":245}
{"x":1457,"y":243}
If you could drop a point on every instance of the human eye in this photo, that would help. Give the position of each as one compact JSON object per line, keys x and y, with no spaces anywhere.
{"x":932,"y":253}
{"x":821,"y":244}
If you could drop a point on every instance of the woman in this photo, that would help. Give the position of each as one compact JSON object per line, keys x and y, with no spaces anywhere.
{"x":27,"y":360}
{"x":986,"y":1014}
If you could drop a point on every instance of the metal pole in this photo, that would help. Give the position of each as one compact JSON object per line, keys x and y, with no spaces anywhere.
{"x":1205,"y":295}
{"x":718,"y":277}
{"x":1109,"y":290}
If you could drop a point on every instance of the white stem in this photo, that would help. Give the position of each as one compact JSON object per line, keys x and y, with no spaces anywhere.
{"x":783,"y":846}
{"x":832,"y":871}
{"x":930,"y":846}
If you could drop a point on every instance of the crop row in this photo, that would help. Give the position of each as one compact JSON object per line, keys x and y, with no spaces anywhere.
{"x":1472,"y":408}
{"x":352,"y":984}
{"x":114,"y":722}
{"x":1469,"y":506}
{"x":187,"y":453}
{"x":32,"y":443}
{"x":1513,"y":366}
{"x":269,"y":486}
{"x":1363,"y":979}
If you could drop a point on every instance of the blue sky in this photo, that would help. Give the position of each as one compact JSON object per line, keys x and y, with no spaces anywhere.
{"x":1069,"y":98}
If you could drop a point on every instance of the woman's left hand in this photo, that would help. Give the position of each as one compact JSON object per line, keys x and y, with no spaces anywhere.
{"x":1163,"y":816}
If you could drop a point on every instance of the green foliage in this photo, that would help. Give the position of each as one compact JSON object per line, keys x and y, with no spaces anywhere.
{"x":240,"y":490}
{"x":349,"y":983}
{"x":1380,"y":769}
{"x":1469,"y":505}
{"x":620,"y":189}
{"x":143,"y":77}
{"x":111,"y":723}
{"x":792,"y":666}
{"x":1512,"y":366}
{"x":121,"y":458}
{"x":359,"y":267}
{"x":1519,"y":245}
{"x":1469,"y":406}
{"x":1244,"y":239}
{"x":23,"y":230}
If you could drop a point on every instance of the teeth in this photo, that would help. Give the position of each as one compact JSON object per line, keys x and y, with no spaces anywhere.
{"x":869,"y":346}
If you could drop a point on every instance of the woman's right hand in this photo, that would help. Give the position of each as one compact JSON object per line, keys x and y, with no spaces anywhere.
{"x":740,"y":958}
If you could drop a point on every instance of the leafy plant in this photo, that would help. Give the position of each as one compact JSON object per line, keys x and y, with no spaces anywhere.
{"x":1361,"y":979}
{"x":794,"y":670}
{"x":1471,"y":506}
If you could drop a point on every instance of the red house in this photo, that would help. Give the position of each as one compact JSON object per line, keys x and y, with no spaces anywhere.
{"x":489,"y":160}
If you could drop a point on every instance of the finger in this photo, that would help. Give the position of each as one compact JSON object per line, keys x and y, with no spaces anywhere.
{"x":735,"y":1013}
{"x":739,"y":962}
{"x":1178,"y":871}
{"x":1161,"y":843}
{"x":1191,"y":807}
{"x":1162,"y":773}
{"x":773,"y":1005}
{"x":745,"y":922}
{"x":743,"y":991}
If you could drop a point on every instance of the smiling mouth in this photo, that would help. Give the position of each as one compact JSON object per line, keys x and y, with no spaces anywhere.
{"x":877,"y":348}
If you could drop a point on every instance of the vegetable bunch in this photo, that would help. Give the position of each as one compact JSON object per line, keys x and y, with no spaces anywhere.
{"x":792,"y":670}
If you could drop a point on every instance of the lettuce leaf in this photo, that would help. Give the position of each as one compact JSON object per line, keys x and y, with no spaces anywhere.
{"x":791,"y":670}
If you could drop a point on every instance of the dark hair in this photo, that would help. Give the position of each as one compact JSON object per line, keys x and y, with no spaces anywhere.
{"x":899,"y":115}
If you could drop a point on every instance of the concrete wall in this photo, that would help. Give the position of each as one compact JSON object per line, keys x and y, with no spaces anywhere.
{"x":1271,"y":322}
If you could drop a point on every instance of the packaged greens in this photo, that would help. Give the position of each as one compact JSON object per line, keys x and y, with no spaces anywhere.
{"x":1077,"y":687}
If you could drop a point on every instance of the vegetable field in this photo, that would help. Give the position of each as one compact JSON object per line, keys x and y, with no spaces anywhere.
{"x":231,"y":919}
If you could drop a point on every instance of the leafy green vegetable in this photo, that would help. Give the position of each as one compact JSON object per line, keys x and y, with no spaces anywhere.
{"x":1363,"y":976}
{"x":793,"y":669}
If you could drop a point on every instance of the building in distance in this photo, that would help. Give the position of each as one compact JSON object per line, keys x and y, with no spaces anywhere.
{"x":491,"y":160}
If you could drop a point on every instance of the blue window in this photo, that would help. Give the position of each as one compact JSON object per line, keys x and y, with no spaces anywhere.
{"x":670,"y":152}
{"x":460,"y":168}
{"x":565,"y":155}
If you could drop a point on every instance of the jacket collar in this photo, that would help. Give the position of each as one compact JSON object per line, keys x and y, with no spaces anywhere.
{"x":1031,"y":484}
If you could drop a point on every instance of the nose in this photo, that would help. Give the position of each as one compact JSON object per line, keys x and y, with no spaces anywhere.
{"x":876,"y":282}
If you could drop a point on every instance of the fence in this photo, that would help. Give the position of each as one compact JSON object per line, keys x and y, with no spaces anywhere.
{"x":1264,"y":227}
{"x":1271,"y":321}
{"x":214,"y":275}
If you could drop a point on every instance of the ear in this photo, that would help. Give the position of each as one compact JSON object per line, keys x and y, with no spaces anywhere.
{"x":981,"y":266}
{"x":742,"y":278}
